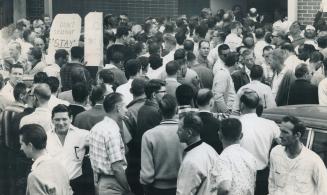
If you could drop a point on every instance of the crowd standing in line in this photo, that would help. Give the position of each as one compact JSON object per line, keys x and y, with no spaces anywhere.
{"x":176,"y":108}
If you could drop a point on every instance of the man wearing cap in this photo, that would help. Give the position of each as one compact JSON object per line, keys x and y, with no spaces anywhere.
{"x":42,"y":114}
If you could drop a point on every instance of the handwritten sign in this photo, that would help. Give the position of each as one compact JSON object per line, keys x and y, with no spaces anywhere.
{"x":65,"y":32}
{"x":324,"y":5}
{"x":93,"y":39}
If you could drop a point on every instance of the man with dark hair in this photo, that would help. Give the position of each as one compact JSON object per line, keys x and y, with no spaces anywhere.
{"x":34,"y":56}
{"x":302,"y":91}
{"x":185,"y":96}
{"x":9,"y":138}
{"x":54,"y":83}
{"x":121,"y":45}
{"x":188,"y":45}
{"x":40,"y":77}
{"x":172,"y":68}
{"x":241,"y":76}
{"x":80,"y":94}
{"x":258,"y":137}
{"x":156,"y":66}
{"x":211,"y":123}
{"x":15,"y":76}
{"x":316,"y":66}
{"x":61,"y":58}
{"x":241,"y":162}
{"x":106,"y":79}
{"x":267,"y":99}
{"x":180,"y":38}
{"x":132,"y":70}
{"x":47,"y":175}
{"x":223,"y":51}
{"x":70,"y":149}
{"x":87,"y":119}
{"x":162,"y":152}
{"x":202,"y":170}
{"x":75,"y":66}
{"x":292,"y":160}
{"x":116,"y":66}
{"x":109,"y":165}
{"x":137,"y":89}
{"x":42,"y":115}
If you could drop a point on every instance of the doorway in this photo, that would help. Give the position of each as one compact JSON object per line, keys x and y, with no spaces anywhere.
{"x":267,"y":8}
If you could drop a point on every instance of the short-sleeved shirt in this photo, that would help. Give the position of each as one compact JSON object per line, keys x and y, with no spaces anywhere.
{"x":71,"y":154}
{"x":106,"y":146}
{"x":201,"y":171}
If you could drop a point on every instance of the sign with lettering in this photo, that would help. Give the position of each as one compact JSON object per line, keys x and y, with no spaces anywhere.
{"x":65,"y":32}
{"x":324,"y":5}
{"x":93,"y":39}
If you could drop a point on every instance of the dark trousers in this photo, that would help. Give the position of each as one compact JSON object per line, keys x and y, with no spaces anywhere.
{"x":82,"y":186}
{"x":149,"y":190}
{"x":261,"y":185}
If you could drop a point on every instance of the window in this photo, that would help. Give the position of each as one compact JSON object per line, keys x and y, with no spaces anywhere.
{"x":319,"y":144}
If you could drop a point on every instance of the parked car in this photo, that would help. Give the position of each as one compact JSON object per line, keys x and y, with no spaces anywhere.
{"x":315,"y":119}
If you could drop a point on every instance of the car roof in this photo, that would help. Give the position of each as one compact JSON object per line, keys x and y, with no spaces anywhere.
{"x":313,"y":116}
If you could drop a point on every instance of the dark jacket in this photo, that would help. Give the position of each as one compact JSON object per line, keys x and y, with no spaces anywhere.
{"x":303,"y":92}
{"x":240,"y":78}
{"x":87,"y":119}
{"x":210,"y":131}
{"x":66,"y":74}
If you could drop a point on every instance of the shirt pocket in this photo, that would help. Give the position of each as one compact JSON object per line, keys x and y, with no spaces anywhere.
{"x":79,"y":152}
{"x":302,"y":182}
{"x":280,"y":176}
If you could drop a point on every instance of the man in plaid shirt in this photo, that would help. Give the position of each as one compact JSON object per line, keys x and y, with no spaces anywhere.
{"x":107,"y":151}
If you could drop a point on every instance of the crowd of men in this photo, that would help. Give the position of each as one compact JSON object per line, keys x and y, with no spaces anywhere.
{"x":176,"y":109}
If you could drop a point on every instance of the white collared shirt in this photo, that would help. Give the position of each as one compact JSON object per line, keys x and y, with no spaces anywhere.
{"x":71,"y":154}
{"x":54,"y":101}
{"x":263,"y":91}
{"x":39,"y":160}
{"x":8,"y":92}
{"x":167,"y":58}
{"x":305,"y":174}
{"x":41,"y":116}
{"x":258,"y":136}
{"x":233,"y":41}
{"x":52,"y":70}
{"x":124,"y":89}
{"x":243,"y":167}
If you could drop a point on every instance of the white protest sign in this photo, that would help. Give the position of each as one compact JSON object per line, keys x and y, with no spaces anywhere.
{"x":324,"y":5}
{"x":65,"y":32}
{"x":93,"y":39}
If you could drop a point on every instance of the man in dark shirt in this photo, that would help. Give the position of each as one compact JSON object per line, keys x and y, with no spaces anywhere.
{"x":121,"y":45}
{"x":210,"y":123}
{"x":74,"y":67}
{"x":302,"y":91}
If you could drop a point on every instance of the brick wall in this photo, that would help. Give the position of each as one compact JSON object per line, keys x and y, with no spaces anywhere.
{"x":137,"y":10}
{"x":307,"y":10}
{"x":34,"y":9}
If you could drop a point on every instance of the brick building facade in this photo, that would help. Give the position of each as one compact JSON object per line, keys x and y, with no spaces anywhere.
{"x":303,"y":10}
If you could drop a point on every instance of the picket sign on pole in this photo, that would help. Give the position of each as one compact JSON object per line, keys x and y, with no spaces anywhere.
{"x":65,"y":33}
{"x":93,"y":39}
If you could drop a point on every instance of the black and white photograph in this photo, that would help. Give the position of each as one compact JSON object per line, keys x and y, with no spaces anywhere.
{"x":163,"y":97}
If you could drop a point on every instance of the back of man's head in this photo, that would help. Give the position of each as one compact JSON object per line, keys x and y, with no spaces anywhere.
{"x":19,"y":91}
{"x":107,"y":76}
{"x":111,"y":100}
{"x":97,"y":94}
{"x":61,"y":53}
{"x":180,"y":37}
{"x":155,"y":61}
{"x":168,"y":106}
{"x":231,"y":129}
{"x":80,"y":92}
{"x":188,"y":45}
{"x":172,"y":68}
{"x":122,"y":31}
{"x":40,"y":77}
{"x":42,"y":92}
{"x":184,"y":95}
{"x":201,"y":30}
{"x":250,"y":99}
{"x":77,"y":53}
{"x":34,"y":134}
{"x":204,"y":96}
{"x":137,"y":87}
{"x":53,"y":83}
{"x":180,"y":54}
{"x":132,"y":67}
{"x":301,"y":70}
{"x":256,"y":72}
